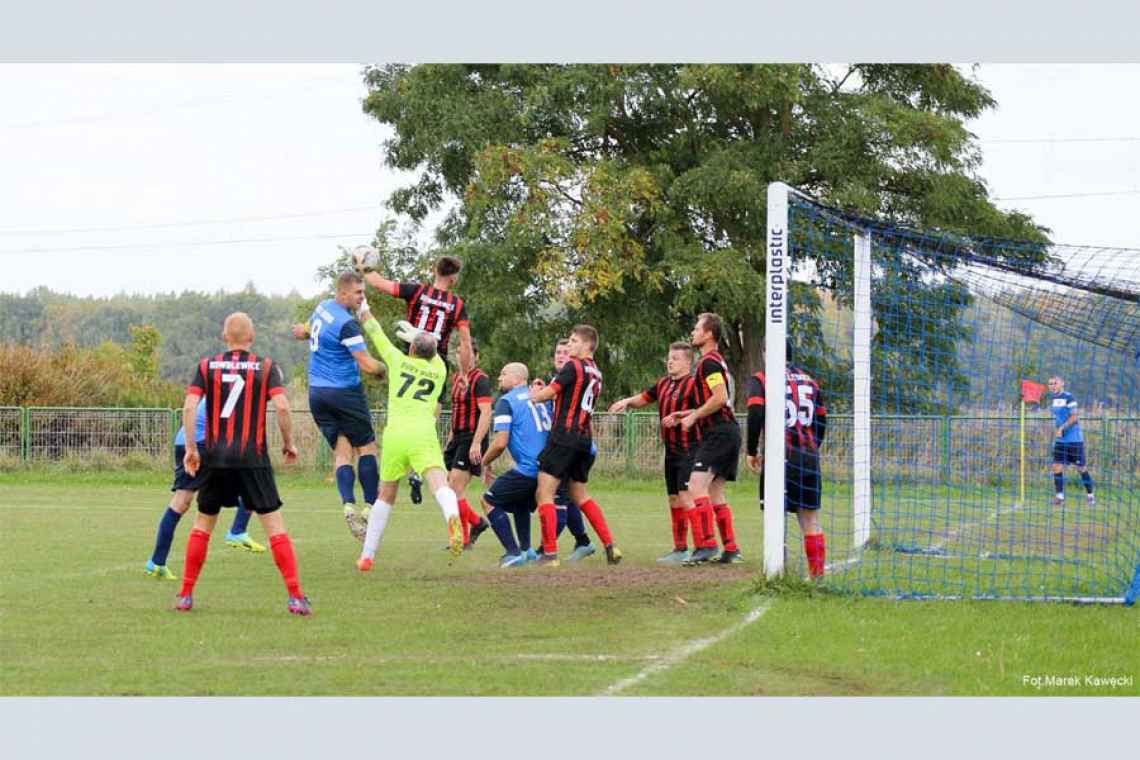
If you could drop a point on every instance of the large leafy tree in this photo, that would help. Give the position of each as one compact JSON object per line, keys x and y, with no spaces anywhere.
{"x":634,"y":197}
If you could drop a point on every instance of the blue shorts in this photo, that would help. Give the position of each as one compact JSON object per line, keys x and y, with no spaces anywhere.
{"x":511,"y":491}
{"x":342,"y":411}
{"x":182,"y":479}
{"x":1069,"y":453}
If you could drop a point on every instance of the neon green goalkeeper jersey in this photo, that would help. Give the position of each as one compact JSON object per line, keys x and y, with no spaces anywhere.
{"x":414,"y":384}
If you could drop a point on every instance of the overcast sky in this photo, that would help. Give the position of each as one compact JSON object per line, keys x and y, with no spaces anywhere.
{"x":138,"y":178}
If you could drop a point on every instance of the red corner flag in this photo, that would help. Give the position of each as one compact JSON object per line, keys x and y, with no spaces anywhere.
{"x":1031,"y":392}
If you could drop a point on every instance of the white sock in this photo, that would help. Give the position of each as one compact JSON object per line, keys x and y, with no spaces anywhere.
{"x":377,"y":521}
{"x":448,"y":502}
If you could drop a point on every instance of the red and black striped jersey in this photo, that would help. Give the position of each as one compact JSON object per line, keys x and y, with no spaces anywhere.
{"x":675,"y":395}
{"x":577,"y":386}
{"x":712,"y":370}
{"x":805,"y":416}
{"x":465,"y":405}
{"x":237,"y":386}
{"x":429,"y":308}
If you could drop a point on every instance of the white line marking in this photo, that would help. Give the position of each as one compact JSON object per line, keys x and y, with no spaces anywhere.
{"x":686,"y":651}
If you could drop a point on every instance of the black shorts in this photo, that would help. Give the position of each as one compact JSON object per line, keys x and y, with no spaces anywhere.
{"x":1065,"y":452}
{"x":678,"y":467}
{"x":567,"y":461}
{"x":801,"y":480}
{"x":254,"y":485}
{"x":719,"y":451}
{"x":455,"y":456}
{"x":182,"y":479}
{"x":512,"y":491}
{"x":342,"y":411}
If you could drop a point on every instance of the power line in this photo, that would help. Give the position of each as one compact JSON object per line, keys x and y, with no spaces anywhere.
{"x":1038,"y":140}
{"x":192,"y":223}
{"x":185,"y":244}
{"x":1067,"y":195}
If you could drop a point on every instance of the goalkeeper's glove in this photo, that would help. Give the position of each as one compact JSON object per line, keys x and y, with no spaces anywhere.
{"x":406,"y":331}
{"x":363,"y":309}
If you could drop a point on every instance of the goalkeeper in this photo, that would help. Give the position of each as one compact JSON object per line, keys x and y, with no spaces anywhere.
{"x":415,"y":382}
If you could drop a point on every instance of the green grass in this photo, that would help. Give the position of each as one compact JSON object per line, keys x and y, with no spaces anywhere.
{"x":77,"y":616}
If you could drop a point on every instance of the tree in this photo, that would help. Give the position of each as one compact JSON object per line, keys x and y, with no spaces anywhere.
{"x":606,"y":192}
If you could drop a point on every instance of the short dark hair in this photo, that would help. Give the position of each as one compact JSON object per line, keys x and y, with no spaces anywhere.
{"x":713,"y":324}
{"x":474,"y":346}
{"x":587,"y":333}
{"x":682,"y":345}
{"x":562,"y":342}
{"x":789,"y":353}
{"x":348,"y":279}
{"x":446,"y":266}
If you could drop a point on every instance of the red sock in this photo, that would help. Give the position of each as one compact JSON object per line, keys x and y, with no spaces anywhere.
{"x":724,"y":524}
{"x":467,"y":518}
{"x":680,"y":528}
{"x":703,"y":508}
{"x":286,"y":562}
{"x":694,"y":518}
{"x":548,"y":519}
{"x":816,"y":551}
{"x":594,"y":514}
{"x":196,"y":548}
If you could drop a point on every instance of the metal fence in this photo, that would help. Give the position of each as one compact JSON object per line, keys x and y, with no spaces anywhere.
{"x":955,"y":449}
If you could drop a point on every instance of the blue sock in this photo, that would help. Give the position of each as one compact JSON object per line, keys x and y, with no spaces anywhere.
{"x":1059,"y":482}
{"x":576,"y":525}
{"x":165,"y":536}
{"x":1087,"y":480}
{"x":501,"y":524}
{"x":522,"y":527}
{"x":345,"y":480}
{"x":369,"y":478}
{"x":560,"y":514}
{"x":241,"y":519}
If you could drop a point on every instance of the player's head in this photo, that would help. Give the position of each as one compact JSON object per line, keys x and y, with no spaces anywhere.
{"x":789,"y":353}
{"x":561,"y":353}
{"x":707,"y":331}
{"x":1056,"y":384}
{"x":424,"y":346}
{"x":350,"y":290}
{"x":513,"y":375}
{"x":237,"y":330}
{"x":447,"y":272}
{"x":679,"y":362}
{"x":583,"y":342}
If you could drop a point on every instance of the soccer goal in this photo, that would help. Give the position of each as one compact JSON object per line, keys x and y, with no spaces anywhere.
{"x":937,"y":464}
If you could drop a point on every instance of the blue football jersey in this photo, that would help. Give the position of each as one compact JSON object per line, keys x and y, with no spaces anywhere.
{"x":199,"y":427}
{"x":1063,"y":406}
{"x":334,"y":336}
{"x":528,"y":424}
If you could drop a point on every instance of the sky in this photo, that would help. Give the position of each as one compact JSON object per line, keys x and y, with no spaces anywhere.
{"x":153,"y":178}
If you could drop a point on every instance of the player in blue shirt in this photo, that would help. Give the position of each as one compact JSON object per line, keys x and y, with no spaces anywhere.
{"x":1068,"y":441}
{"x":184,"y":488}
{"x":337,"y":354}
{"x":522,"y":427}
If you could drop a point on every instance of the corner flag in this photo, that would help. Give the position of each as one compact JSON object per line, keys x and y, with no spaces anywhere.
{"x":1031,"y":392}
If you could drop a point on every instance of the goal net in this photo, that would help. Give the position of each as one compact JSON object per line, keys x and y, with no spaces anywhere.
{"x":930,"y":350}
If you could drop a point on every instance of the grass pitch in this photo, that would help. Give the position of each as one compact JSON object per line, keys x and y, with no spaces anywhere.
{"x":78,"y":617}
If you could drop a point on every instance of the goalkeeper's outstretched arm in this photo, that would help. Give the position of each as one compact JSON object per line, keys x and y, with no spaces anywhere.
{"x":384,"y":346}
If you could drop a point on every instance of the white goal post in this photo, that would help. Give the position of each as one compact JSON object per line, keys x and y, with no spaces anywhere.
{"x":778,"y":312}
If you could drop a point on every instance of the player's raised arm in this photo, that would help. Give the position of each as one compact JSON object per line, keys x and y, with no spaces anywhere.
{"x":389,"y":354}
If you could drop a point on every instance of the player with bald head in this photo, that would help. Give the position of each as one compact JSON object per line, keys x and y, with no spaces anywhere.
{"x":522,"y":427}
{"x":237,"y":385}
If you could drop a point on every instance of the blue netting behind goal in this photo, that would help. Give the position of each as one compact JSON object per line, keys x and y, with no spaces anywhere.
{"x":962,"y":494}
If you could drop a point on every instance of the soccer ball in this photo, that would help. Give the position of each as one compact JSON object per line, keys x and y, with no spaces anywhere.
{"x":365,"y":257}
